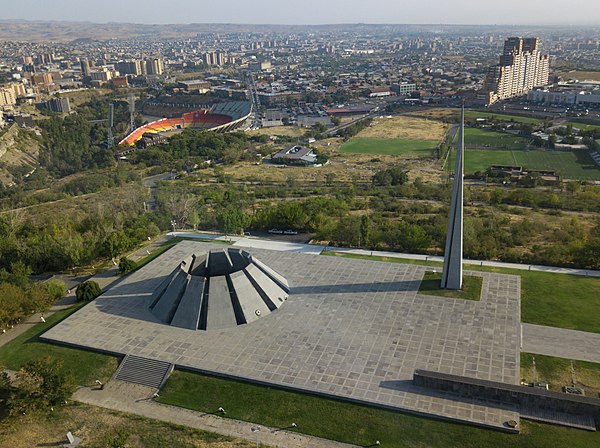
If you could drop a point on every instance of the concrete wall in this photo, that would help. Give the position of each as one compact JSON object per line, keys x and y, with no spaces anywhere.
{"x":509,"y":394}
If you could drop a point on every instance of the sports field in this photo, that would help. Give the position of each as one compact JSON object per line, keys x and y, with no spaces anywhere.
{"x":492,"y":139}
{"x":576,"y":165}
{"x":418,"y":148}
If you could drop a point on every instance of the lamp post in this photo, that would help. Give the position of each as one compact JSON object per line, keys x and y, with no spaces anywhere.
{"x":256,"y":431}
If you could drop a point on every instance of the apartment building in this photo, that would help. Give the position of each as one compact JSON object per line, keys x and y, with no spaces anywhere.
{"x":522,"y":67}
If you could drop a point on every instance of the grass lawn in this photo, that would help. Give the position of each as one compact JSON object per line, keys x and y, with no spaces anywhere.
{"x":430,"y":285}
{"x":104,"y":428}
{"x":351,"y":423}
{"x":585,"y":126}
{"x":85,"y":366}
{"x":501,"y":117}
{"x":576,"y":165}
{"x":556,"y":300}
{"x":493,"y":139}
{"x":481,"y":159}
{"x":419,"y":148}
{"x":557,"y":372}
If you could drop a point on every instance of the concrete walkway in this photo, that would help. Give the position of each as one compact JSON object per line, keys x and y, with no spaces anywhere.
{"x":569,"y":344}
{"x":135,"y":399}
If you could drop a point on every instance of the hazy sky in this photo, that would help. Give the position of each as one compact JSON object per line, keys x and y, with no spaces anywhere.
{"x":308,"y":11}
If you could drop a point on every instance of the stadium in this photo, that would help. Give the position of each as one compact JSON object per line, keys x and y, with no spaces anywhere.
{"x":220,"y":117}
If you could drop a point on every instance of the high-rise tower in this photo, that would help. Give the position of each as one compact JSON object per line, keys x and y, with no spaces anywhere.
{"x":522,"y":67}
{"x":452,"y":275}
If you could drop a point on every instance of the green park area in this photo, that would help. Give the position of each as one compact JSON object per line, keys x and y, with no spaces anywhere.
{"x":368,"y":145}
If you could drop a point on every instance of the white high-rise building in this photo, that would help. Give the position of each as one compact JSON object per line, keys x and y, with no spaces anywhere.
{"x":522,"y":67}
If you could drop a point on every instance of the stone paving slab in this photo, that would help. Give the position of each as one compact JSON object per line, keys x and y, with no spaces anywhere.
{"x":562,"y":343}
{"x":353,"y":329}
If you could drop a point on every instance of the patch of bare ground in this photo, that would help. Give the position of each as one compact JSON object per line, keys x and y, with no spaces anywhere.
{"x":403,"y":127}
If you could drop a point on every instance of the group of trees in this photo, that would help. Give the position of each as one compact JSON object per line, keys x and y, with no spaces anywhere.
{"x":197,"y":147}
{"x":20,"y":297}
{"x":62,"y":239}
{"x":393,"y":213}
{"x":70,"y":145}
{"x":355,"y":128}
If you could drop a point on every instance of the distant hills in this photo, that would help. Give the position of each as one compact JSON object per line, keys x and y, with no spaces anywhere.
{"x":58,"y":31}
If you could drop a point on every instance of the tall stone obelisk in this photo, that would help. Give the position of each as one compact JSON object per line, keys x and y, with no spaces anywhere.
{"x":452,"y":276}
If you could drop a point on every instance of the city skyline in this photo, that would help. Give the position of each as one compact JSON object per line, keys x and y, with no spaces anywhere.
{"x":310,"y":12}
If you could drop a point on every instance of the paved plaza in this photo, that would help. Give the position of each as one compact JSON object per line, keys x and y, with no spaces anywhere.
{"x":351,"y":328}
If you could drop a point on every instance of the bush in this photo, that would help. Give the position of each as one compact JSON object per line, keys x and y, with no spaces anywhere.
{"x":87,"y":291}
{"x":126,"y":265}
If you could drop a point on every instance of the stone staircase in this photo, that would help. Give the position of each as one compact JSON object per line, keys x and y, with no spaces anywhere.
{"x":144,"y":371}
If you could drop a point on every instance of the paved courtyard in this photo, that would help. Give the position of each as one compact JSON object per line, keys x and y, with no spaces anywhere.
{"x":351,"y":328}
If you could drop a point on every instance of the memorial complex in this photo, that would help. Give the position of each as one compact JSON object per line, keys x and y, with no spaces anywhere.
{"x":350,"y":329}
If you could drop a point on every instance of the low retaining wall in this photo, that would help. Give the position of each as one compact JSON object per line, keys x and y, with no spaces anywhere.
{"x":509,"y":394}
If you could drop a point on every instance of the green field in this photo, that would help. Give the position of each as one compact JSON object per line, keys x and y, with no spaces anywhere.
{"x":352,"y":423}
{"x":492,"y":139}
{"x":576,"y":165}
{"x":419,"y":148}
{"x":501,"y":117}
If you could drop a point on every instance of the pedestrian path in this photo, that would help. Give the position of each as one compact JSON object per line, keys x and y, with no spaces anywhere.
{"x":562,"y":343}
{"x":137,"y":399}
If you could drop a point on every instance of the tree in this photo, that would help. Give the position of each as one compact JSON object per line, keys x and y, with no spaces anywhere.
{"x":126,"y":265}
{"x":329,"y":178}
{"x":390,"y":176}
{"x":116,"y":243}
{"x":231,"y":220}
{"x":365,"y":231}
{"x":40,"y":385}
{"x":195,"y":218}
{"x":87,"y":291}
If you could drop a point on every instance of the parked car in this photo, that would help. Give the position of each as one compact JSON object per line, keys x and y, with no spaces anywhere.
{"x":276,"y":231}
{"x":290,"y":232}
